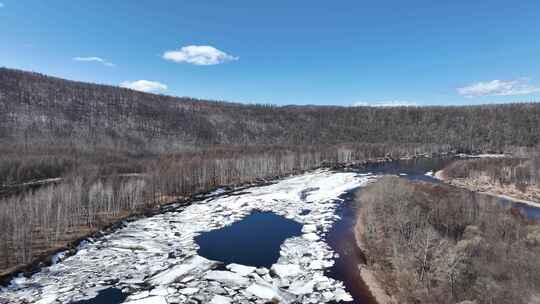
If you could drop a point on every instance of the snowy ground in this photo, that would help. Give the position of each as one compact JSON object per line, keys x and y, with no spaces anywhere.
{"x":155,"y":259}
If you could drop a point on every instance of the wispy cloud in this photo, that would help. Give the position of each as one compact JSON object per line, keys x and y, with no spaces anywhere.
{"x":1,"y":4}
{"x":144,"y":86}
{"x":94,"y":59}
{"x":199,"y":55}
{"x":386,"y":103}
{"x":496,"y":87}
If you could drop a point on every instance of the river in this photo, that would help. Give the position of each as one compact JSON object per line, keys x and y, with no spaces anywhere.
{"x":288,"y":241}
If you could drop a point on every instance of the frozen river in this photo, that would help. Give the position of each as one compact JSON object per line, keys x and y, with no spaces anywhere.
{"x":157,"y":259}
{"x":290,"y":241}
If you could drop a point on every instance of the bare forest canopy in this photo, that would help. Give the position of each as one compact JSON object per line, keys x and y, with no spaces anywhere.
{"x":433,"y":243}
{"x":522,"y":172}
{"x":35,"y":108}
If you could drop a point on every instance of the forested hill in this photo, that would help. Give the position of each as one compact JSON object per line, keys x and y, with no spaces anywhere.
{"x":38,"y":108}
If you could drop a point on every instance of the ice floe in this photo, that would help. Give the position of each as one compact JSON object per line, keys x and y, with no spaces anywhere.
{"x":154,"y":260}
{"x":150,"y":300}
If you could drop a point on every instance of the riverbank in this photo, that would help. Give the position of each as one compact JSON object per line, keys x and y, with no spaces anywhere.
{"x":367,"y":274}
{"x":431,"y":243}
{"x":482,"y":184}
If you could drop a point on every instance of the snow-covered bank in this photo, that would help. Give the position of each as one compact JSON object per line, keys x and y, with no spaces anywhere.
{"x":156,"y":258}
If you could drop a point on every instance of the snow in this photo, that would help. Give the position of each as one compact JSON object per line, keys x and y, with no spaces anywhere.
{"x":155,"y":259}
{"x":429,"y":173}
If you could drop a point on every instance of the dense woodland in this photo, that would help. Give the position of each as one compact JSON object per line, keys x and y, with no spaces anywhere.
{"x":37,"y":108}
{"x":119,"y":151}
{"x":438,"y":244}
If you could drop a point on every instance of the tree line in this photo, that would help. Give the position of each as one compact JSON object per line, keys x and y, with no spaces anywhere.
{"x":523,"y":172}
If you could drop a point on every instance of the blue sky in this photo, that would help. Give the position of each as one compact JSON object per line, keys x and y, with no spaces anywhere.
{"x":285,"y":52}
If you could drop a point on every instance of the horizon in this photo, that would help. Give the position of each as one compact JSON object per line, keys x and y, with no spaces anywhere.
{"x":516,"y":102}
{"x":302,"y":53}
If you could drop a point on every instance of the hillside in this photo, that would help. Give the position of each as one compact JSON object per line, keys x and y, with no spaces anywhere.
{"x":37,"y":108}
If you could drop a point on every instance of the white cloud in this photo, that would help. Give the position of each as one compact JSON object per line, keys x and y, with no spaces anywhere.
{"x":94,"y":59}
{"x":144,"y":86}
{"x":386,"y":103}
{"x":499,"y":88}
{"x":199,"y":55}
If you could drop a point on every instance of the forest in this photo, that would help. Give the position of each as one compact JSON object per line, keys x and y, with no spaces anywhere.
{"x":101,"y":153}
{"x":522,"y":172}
{"x":432,"y":243}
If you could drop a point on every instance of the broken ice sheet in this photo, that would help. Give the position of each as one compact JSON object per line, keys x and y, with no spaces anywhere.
{"x":155,"y":259}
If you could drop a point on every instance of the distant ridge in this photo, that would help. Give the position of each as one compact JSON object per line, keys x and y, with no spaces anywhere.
{"x":39,"y":108}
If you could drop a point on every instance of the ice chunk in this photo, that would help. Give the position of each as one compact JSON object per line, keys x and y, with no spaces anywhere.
{"x":189,"y":290}
{"x":341,"y":295}
{"x":58,"y":257}
{"x":139,"y":295}
{"x":193,"y":264}
{"x":286,"y":270}
{"x":47,"y":299}
{"x":159,"y":291}
{"x":227,"y":277}
{"x":217,"y":299}
{"x":150,"y":300}
{"x":311,"y":236}
{"x":301,"y":287}
{"x":309,"y":228}
{"x":241,"y":269}
{"x":266,"y":292}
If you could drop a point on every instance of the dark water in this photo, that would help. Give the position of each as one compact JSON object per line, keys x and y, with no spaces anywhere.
{"x":106,"y":296}
{"x":415,"y":169}
{"x":530,"y":211}
{"x":341,"y":238}
{"x":253,"y":241}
